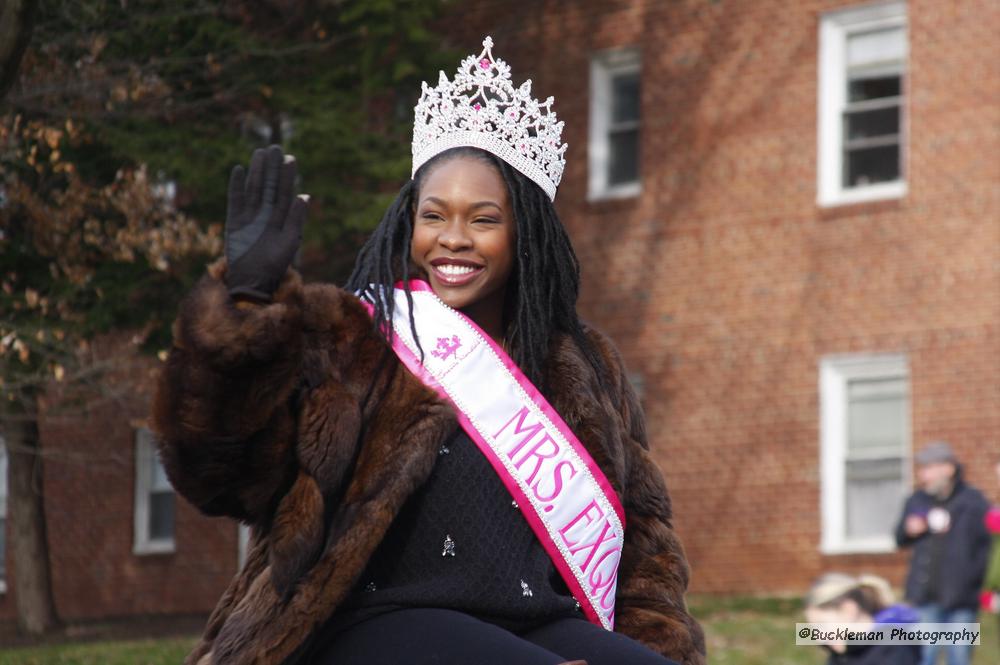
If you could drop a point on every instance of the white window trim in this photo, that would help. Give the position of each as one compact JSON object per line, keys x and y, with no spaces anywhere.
{"x":145,"y":452}
{"x":835,"y":373}
{"x":602,"y":66}
{"x":833,"y":32}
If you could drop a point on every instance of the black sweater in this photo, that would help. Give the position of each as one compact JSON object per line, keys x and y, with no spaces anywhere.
{"x":461,"y":543}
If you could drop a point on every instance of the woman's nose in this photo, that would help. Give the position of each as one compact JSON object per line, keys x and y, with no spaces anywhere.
{"x":454,"y":237}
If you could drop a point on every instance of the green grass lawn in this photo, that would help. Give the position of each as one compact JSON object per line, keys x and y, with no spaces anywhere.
{"x":167,"y":651}
{"x":740,"y":631}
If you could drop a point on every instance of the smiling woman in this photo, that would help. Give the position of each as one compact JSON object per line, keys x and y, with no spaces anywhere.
{"x":440,"y":463}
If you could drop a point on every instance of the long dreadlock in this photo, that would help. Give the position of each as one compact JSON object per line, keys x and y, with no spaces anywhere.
{"x":544,"y":287}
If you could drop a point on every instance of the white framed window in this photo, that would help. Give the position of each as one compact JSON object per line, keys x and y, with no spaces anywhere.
{"x":862,"y":92}
{"x":155,"y":501}
{"x":3,"y":515}
{"x":865,"y":464}
{"x":613,"y":148}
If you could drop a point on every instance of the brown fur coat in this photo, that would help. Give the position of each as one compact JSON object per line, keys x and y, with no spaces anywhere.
{"x":297,"y":419}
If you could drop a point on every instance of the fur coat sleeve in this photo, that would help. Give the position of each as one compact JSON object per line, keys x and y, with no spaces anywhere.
{"x":223,"y":407}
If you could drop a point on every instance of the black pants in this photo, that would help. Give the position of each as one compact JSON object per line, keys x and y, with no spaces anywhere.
{"x":423,"y":636}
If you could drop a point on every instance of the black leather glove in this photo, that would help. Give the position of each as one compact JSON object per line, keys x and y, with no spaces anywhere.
{"x":263,"y":224}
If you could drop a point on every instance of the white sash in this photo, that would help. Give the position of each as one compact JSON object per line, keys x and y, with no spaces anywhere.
{"x":565,"y":497}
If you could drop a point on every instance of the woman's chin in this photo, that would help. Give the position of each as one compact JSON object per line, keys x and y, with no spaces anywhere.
{"x":454,"y":300}
{"x":456,"y":297}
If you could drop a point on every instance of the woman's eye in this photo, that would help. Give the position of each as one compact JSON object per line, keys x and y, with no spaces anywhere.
{"x":430,"y":215}
{"x":486,"y":220}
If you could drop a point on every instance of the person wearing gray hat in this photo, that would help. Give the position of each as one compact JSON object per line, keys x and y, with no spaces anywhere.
{"x":936,"y":451}
{"x":943,"y":521}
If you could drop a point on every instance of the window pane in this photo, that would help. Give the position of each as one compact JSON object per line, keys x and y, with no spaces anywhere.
{"x":866,"y":124}
{"x":158,"y":474}
{"x":243,"y":544}
{"x":625,"y":98}
{"x":161,"y":516}
{"x":623,"y":165}
{"x":864,"y":48}
{"x":864,"y":166}
{"x":875,"y":492}
{"x":860,"y":89}
{"x":876,"y":415}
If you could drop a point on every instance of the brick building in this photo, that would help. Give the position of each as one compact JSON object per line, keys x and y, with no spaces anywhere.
{"x":788,"y":216}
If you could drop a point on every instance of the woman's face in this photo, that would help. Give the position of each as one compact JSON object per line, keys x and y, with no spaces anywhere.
{"x":463,"y":237}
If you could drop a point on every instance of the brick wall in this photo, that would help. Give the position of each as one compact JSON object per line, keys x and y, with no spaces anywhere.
{"x":89,"y":482}
{"x":724,"y":283}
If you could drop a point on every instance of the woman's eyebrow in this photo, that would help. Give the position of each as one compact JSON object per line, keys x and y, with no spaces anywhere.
{"x":474,"y":206}
{"x":485,"y":204}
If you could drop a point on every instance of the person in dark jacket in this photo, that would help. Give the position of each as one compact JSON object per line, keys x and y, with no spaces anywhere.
{"x":837,"y":598}
{"x":944,"y":523}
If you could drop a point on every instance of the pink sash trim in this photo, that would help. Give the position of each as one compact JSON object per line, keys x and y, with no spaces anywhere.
{"x":598,"y":612}
{"x":539,"y":400}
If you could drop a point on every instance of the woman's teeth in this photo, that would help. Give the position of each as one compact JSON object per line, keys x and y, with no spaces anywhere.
{"x":453,"y":270}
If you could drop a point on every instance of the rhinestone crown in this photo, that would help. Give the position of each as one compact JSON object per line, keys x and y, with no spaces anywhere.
{"x":481,"y":108}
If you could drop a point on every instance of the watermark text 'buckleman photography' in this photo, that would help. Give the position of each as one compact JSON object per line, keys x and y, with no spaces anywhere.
{"x":816,"y":634}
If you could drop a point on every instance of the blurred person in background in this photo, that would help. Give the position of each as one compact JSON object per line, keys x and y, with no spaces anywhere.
{"x":989,"y":600}
{"x":944,"y":522}
{"x":868,"y":599}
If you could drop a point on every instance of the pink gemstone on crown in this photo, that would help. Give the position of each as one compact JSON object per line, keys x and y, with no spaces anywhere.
{"x":484,"y":63}
{"x":477,"y":106}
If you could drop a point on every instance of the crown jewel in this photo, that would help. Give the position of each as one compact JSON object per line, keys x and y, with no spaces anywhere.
{"x":481,"y":108}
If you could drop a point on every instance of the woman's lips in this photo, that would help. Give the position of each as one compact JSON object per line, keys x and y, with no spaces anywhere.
{"x":451,"y":274}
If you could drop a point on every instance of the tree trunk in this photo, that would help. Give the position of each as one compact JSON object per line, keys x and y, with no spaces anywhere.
{"x":17,"y":19}
{"x":32,"y":583}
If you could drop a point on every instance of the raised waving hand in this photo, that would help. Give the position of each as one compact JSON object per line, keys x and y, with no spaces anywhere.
{"x":264,"y":221}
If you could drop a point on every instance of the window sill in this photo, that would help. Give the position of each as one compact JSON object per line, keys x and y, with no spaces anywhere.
{"x":155,"y":547}
{"x":630,"y":190}
{"x":867,"y":546}
{"x":868,"y":194}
